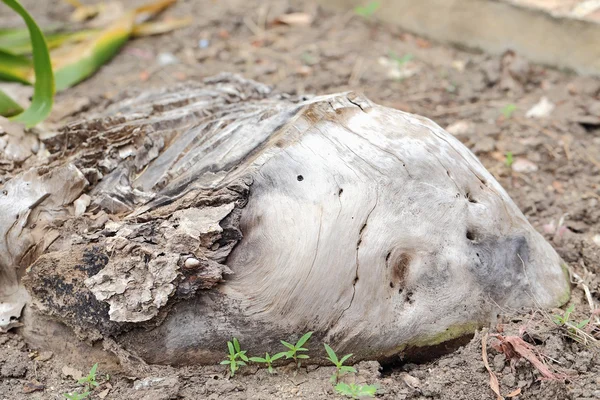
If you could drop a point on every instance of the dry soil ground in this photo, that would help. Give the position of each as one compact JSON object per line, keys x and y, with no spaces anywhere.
{"x":482,"y":99}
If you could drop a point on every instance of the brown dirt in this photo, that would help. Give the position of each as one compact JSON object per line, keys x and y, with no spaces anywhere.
{"x":464,"y":90}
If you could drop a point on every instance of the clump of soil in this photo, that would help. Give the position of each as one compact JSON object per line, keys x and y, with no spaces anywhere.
{"x":554,"y":177}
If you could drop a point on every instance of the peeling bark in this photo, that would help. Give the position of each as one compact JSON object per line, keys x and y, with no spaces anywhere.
{"x":223,"y":210}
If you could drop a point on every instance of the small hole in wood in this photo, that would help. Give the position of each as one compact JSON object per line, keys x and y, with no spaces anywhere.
{"x":300,"y":178}
{"x":470,"y":235}
{"x":470,"y":198}
{"x":392,"y":285}
{"x":340,"y":192}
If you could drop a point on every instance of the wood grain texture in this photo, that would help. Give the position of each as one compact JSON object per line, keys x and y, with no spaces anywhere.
{"x":224,"y":210}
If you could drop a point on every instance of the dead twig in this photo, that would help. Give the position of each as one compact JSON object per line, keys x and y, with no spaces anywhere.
{"x":494,"y":385}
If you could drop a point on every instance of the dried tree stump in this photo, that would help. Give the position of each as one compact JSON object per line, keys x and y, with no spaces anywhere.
{"x":175,"y":219}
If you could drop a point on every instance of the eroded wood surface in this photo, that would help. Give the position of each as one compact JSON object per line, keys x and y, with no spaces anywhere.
{"x":224,"y":210}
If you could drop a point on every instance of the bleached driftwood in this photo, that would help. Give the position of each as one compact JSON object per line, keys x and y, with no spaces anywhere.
{"x":223,"y":210}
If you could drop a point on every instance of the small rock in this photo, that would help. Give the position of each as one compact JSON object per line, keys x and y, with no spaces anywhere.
{"x":462,"y":127}
{"x":104,"y":393}
{"x":484,"y":145}
{"x":541,"y":109}
{"x":523,"y":165}
{"x":509,"y":380}
{"x":166,"y":59}
{"x":410,"y":381}
{"x":156,"y":382}
{"x":498,"y":362}
{"x":81,"y":204}
{"x":191,"y":263}
{"x":72,"y":372}
{"x":596,"y":240}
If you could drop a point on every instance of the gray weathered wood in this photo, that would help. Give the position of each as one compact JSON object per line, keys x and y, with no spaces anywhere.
{"x":224,"y":210}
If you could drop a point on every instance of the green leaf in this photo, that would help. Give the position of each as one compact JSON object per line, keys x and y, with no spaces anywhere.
{"x":243,"y":356}
{"x":236,"y":344}
{"x":368,"y":10}
{"x":16,"y":41}
{"x":302,"y":356}
{"x":43,"y":93}
{"x":93,"y":371}
{"x":288,"y":345}
{"x":241,"y":363}
{"x":278,"y":356}
{"x":346,"y":368}
{"x":8,"y":107}
{"x":568,"y":312}
{"x":332,"y":356}
{"x":230,"y":347}
{"x":347,"y":356}
{"x":225,"y":362}
{"x":85,"y":58}
{"x":303,"y":339}
{"x":258,"y":359}
{"x":583,"y":323}
{"x":14,"y":68}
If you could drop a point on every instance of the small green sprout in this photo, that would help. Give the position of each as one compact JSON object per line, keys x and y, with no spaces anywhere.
{"x":267,"y":360}
{"x":339,"y":364}
{"x":508,"y":110}
{"x":90,"y":380}
{"x":509,"y":159}
{"x":563,"y":320}
{"x":294,"y":349}
{"x":76,"y":396}
{"x":355,"y":391}
{"x":236,"y":356}
{"x":401,"y":60}
{"x":368,"y":10}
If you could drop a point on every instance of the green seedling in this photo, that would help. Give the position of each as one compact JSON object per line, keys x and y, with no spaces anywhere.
{"x":76,"y":396}
{"x":508,"y":110}
{"x":368,"y":10}
{"x":236,"y":357}
{"x":90,"y":380}
{"x":341,"y":369}
{"x":355,"y":391}
{"x":267,"y":360}
{"x":563,"y":320}
{"x":401,"y":60}
{"x":509,"y":159}
{"x":295,"y":349}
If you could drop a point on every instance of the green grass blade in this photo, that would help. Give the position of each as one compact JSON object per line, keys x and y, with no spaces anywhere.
{"x":82,"y":60}
{"x":8,"y":107}
{"x":14,"y":68}
{"x":16,"y":41}
{"x":43,"y":93}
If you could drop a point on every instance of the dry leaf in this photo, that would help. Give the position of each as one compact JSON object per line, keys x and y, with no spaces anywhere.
{"x":33,"y":386}
{"x":494,"y":385}
{"x":515,"y":347}
{"x":514,"y":393}
{"x":44,"y":356}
